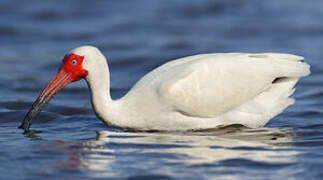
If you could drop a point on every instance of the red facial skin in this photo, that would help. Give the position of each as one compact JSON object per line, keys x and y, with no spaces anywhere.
{"x":76,"y":71}
{"x":71,"y":70}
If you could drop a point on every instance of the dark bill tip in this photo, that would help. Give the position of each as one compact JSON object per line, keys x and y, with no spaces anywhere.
{"x":60,"y":80}
{"x":32,"y":114}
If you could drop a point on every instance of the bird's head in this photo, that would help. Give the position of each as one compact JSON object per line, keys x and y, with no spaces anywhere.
{"x":75,"y":66}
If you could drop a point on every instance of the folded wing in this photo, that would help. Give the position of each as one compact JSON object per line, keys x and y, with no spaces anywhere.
{"x":217,"y":83}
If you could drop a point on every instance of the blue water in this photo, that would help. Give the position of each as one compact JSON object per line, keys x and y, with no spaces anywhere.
{"x":137,"y":36}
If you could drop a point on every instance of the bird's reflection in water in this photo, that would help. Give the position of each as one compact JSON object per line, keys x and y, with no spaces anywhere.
{"x":113,"y":151}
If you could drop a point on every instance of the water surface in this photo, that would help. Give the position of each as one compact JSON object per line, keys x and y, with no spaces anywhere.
{"x":138,"y":36}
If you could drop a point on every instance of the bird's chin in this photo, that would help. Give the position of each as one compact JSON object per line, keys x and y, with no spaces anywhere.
{"x":59,"y":81}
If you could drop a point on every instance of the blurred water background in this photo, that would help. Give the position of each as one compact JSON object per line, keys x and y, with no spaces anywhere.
{"x":137,"y":36}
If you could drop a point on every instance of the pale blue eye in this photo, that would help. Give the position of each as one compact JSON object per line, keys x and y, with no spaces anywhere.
{"x":74,"y":62}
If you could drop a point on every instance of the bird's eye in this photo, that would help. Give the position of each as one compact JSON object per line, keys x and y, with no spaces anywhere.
{"x":74,"y":62}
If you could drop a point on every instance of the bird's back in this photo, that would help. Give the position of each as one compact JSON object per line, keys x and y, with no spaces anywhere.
{"x":210,"y":86}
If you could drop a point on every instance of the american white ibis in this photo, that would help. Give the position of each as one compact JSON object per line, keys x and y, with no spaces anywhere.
{"x":191,"y":93}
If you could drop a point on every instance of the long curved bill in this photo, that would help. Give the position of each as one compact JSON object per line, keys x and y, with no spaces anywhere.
{"x":60,"y":80}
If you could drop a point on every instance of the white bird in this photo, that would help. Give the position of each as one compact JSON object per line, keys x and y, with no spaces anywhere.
{"x":191,"y":93}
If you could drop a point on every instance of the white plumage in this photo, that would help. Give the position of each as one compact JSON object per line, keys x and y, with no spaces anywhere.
{"x":198,"y":92}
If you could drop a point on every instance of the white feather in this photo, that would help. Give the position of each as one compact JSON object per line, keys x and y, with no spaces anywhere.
{"x":198,"y":92}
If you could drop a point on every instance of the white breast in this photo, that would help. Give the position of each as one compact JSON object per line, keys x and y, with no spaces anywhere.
{"x":210,"y":90}
{"x":203,"y":91}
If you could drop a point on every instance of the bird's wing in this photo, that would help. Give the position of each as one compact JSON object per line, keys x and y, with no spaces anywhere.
{"x":217,"y":83}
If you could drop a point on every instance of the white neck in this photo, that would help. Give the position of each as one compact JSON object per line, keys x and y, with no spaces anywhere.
{"x":98,"y":81}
